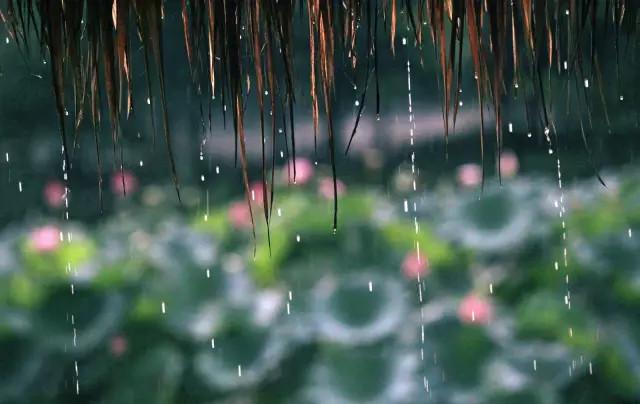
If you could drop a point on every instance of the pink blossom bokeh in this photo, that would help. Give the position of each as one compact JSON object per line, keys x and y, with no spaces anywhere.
{"x":509,"y":164}
{"x":118,"y":346}
{"x":239,"y":215}
{"x":45,"y":239}
{"x":325,"y":187}
{"x":124,"y":183}
{"x":474,"y":309}
{"x":469,"y":175}
{"x":415,"y":265}
{"x":53,"y":194}
{"x":304,"y":171}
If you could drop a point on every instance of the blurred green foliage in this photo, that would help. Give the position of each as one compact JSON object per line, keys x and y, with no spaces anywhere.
{"x":151,"y":306}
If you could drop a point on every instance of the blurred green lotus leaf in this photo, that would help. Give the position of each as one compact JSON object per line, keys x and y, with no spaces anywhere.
{"x":619,"y":360}
{"x":25,"y":291}
{"x":153,"y":377}
{"x":9,"y":261}
{"x":215,"y":223}
{"x":270,"y":255}
{"x":610,"y":253}
{"x":192,"y":300}
{"x":402,"y":237}
{"x":70,"y":259}
{"x":358,"y":309}
{"x":594,"y":221}
{"x":14,"y":322}
{"x":176,"y":247}
{"x":455,"y":352}
{"x":502,"y":220}
{"x":77,"y":322}
{"x":521,"y":367}
{"x":545,"y":316}
{"x":379,"y":373}
{"x":240,"y":356}
{"x":20,"y":368}
{"x":121,"y":256}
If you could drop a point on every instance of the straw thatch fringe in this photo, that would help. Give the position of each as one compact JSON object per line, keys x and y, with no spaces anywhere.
{"x":233,"y":43}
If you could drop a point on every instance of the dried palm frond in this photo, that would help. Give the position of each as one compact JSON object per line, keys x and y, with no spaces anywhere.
{"x":231,"y":44}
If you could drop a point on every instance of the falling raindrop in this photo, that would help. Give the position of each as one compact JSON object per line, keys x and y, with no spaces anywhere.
{"x":163,"y":308}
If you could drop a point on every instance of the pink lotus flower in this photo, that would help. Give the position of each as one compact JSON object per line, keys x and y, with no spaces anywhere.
{"x":415,"y":265}
{"x":303,"y":169}
{"x":509,"y":164}
{"x":123,"y":183}
{"x":239,"y":215}
{"x":469,"y":175}
{"x":118,"y":346}
{"x":475,"y":309}
{"x":45,"y":239}
{"x":256,"y":192}
{"x":325,"y":187}
{"x":53,"y":193}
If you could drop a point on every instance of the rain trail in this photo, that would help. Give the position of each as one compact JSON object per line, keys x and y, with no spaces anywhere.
{"x":412,"y":127}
